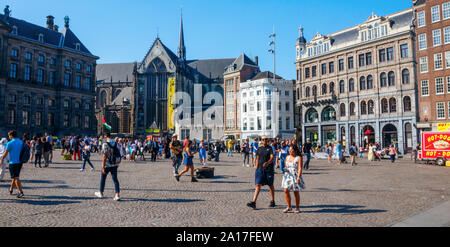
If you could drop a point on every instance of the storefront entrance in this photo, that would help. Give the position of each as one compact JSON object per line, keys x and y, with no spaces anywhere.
{"x":367,"y":136}
{"x":313,"y":134}
{"x":328,"y":134}
{"x":390,"y":135}
{"x":408,"y":138}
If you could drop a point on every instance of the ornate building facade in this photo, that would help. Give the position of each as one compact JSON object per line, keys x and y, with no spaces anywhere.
{"x":46,"y":79}
{"x":358,"y":85}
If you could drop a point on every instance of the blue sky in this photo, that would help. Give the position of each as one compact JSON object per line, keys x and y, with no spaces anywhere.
{"x":123,"y":31}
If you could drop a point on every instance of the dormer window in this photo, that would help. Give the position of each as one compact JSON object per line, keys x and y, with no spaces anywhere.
{"x":41,"y":38}
{"x":14,"y":30}
{"x":77,"y":46}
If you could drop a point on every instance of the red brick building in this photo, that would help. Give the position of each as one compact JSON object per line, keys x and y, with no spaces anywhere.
{"x":432,"y":41}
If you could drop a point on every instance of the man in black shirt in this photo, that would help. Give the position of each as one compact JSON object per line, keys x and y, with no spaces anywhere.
{"x":264,"y":174}
{"x":177,"y":155}
{"x":307,"y":150}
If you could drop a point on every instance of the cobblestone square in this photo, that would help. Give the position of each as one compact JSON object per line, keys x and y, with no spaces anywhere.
{"x":369,"y":194}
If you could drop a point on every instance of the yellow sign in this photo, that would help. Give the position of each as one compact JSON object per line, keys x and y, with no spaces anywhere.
{"x":153,"y":131}
{"x":170,"y":98}
{"x":443,"y":127}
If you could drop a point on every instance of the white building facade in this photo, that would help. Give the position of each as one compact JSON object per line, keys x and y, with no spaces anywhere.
{"x":267,"y":107}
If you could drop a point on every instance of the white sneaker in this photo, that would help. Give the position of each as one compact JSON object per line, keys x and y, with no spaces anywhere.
{"x":98,"y":194}
{"x":81,"y":170}
{"x":116,"y":198}
{"x":92,"y":169}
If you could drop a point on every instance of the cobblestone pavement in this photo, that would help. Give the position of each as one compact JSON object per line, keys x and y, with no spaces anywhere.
{"x":370,"y":194}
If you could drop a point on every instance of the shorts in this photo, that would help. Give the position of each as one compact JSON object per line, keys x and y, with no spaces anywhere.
{"x":14,"y":170}
{"x":264,"y":178}
{"x":202,"y":154}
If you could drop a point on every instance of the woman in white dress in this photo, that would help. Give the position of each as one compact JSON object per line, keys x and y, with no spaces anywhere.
{"x":292,"y":178}
{"x":3,"y":143}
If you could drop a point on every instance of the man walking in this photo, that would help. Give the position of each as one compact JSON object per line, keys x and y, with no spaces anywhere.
{"x":177,"y":155}
{"x":353,"y":153}
{"x":264,"y":174}
{"x":230,"y":148}
{"x":110,"y":164}
{"x":307,"y":150}
{"x":14,"y":149}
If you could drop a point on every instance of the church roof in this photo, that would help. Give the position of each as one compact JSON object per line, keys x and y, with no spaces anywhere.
{"x":126,"y":93}
{"x":210,"y":68}
{"x":115,"y":72}
{"x":66,"y":39}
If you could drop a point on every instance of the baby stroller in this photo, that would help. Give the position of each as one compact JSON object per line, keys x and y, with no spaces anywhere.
{"x":211,"y":155}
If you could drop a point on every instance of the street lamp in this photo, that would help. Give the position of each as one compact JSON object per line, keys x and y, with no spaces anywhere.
{"x":273,"y":50}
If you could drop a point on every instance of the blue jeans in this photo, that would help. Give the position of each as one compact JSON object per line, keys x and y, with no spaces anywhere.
{"x":308,"y":158}
{"x":176,"y":163}
{"x":113,"y":171}
{"x":282,"y":160}
{"x":88,"y":161}
{"x":230,"y":152}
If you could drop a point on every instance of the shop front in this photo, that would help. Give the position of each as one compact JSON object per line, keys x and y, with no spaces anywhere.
{"x":328,"y":134}
{"x":312,"y":133}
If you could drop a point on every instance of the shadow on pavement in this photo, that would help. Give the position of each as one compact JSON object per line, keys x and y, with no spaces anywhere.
{"x":161,"y":200}
{"x":341,"y":209}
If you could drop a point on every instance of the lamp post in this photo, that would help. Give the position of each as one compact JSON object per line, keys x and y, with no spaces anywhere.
{"x":273,"y":50}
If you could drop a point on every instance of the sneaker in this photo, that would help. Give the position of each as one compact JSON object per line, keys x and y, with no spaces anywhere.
{"x":194,"y":180}
{"x":10,"y":192}
{"x":251,"y":205}
{"x":272,"y":204}
{"x":177,"y":177}
{"x":20,"y":195}
{"x":116,"y":198}
{"x":287,"y":210}
{"x":92,"y":169}
{"x":297,"y":210}
{"x":98,"y":194}
{"x":248,"y":165}
{"x":81,"y":170}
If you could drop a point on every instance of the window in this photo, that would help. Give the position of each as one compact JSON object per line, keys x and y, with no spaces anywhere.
{"x":288,"y":123}
{"x":78,"y":66}
{"x":383,"y":80}
{"x":407,"y":104}
{"x":288,"y":106}
{"x":447,"y":35}
{"x":66,"y":120}
{"x":306,"y":72}
{"x":391,"y":78}
{"x":447,"y":59}
{"x":244,"y":108}
{"x":25,"y":117}
{"x":258,"y":93}
{"x":66,"y":79}
{"x":369,"y":82}
{"x":405,"y":76}
{"x":78,"y":81}
{"x":351,"y":85}
{"x":51,"y":78}
{"x":268,"y":123}
{"x":38,"y":118}
{"x":66,"y":104}
{"x":341,"y":64}
{"x":390,"y":53}
{"x":382,"y":55}
{"x":51,"y":102}
{"x":423,"y":64}
{"x":342,"y":110}
{"x":258,"y":106}
{"x":384,"y":106}
{"x":446,"y":10}
{"x":438,"y":61}
{"x":77,"y":46}
{"x":252,"y":106}
{"x":370,"y":107}
{"x":361,"y":60}
{"x":11,"y":116}
{"x":41,"y":59}
{"x":13,"y":71}
{"x":26,"y":100}
{"x":363,"y":108}
{"x":324,"y":68}
{"x":422,"y":41}
{"x":437,"y":37}
{"x":314,"y":91}
{"x":352,"y":109}
{"x":331,"y":87}
{"x":421,"y":19}
{"x":52,"y":61}
{"x":440,"y":110}
{"x":12,"y":98}
{"x":331,"y":67}
{"x":68,"y":63}
{"x":341,"y":87}
{"x":369,"y":58}
{"x":280,"y":123}
{"x":14,"y":53}
{"x":435,"y":15}
{"x":314,"y":71}
{"x":307,"y":92}
{"x":269,"y":105}
{"x":404,"y":51}
{"x":252,"y":124}
{"x":40,"y":76}
{"x":259,"y":123}
{"x":362,"y":83}
{"x":41,"y":38}
{"x":87,"y":121}
{"x":324,"y":89}
{"x":28,"y":56}
{"x":27,"y":74}
{"x":448,"y":84}
{"x":439,"y":85}
{"x":244,"y":126}
{"x":425,"y":91}
{"x":350,"y":63}
{"x":392,"y":105}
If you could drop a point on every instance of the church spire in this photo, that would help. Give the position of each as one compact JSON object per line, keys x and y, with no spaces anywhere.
{"x":181,"y":47}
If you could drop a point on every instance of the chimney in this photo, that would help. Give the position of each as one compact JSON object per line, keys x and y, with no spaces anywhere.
{"x":50,"y":22}
{"x":55,"y":28}
{"x":256,"y":60}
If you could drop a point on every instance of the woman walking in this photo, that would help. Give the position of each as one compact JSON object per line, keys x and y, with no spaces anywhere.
{"x":87,"y":156}
{"x":329,"y":152}
{"x":3,"y":143}
{"x":292,"y":179}
{"x":392,"y":153}
{"x":33,"y":144}
{"x":188,"y":156}
{"x":39,"y":150}
{"x":202,"y":153}
{"x":370,"y":155}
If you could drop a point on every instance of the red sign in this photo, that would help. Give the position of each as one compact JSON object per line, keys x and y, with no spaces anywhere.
{"x":435,"y":144}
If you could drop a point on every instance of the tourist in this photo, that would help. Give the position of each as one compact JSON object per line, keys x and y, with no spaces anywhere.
{"x":353,"y":153}
{"x":177,"y":155}
{"x":339,"y":152}
{"x":370,"y":155}
{"x":254,"y":146}
{"x":329,"y":152}
{"x":202,"y":153}
{"x":38,"y":149}
{"x":283,"y":153}
{"x":155,"y":148}
{"x":185,"y":142}
{"x":76,"y":147}
{"x":3,"y":143}
{"x":307,"y":151}
{"x":188,"y":162}
{"x":292,"y":179}
{"x":110,"y":164}
{"x":392,"y":153}
{"x":361,"y":151}
{"x":264,"y":174}
{"x":33,"y":144}
{"x":230,"y":148}
{"x":46,"y":149}
{"x":49,"y":139}
{"x":246,"y":152}
{"x":87,"y":156}
{"x":14,"y":148}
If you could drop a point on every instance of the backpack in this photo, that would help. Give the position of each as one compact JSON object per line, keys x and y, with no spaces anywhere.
{"x":352,"y":151}
{"x":25,"y":153}
{"x":113,"y":155}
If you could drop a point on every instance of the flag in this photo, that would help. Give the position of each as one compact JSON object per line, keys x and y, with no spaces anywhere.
{"x":106,"y":125}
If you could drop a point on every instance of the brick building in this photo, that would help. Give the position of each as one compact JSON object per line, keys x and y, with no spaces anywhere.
{"x":47,"y":79}
{"x":432,"y":32}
